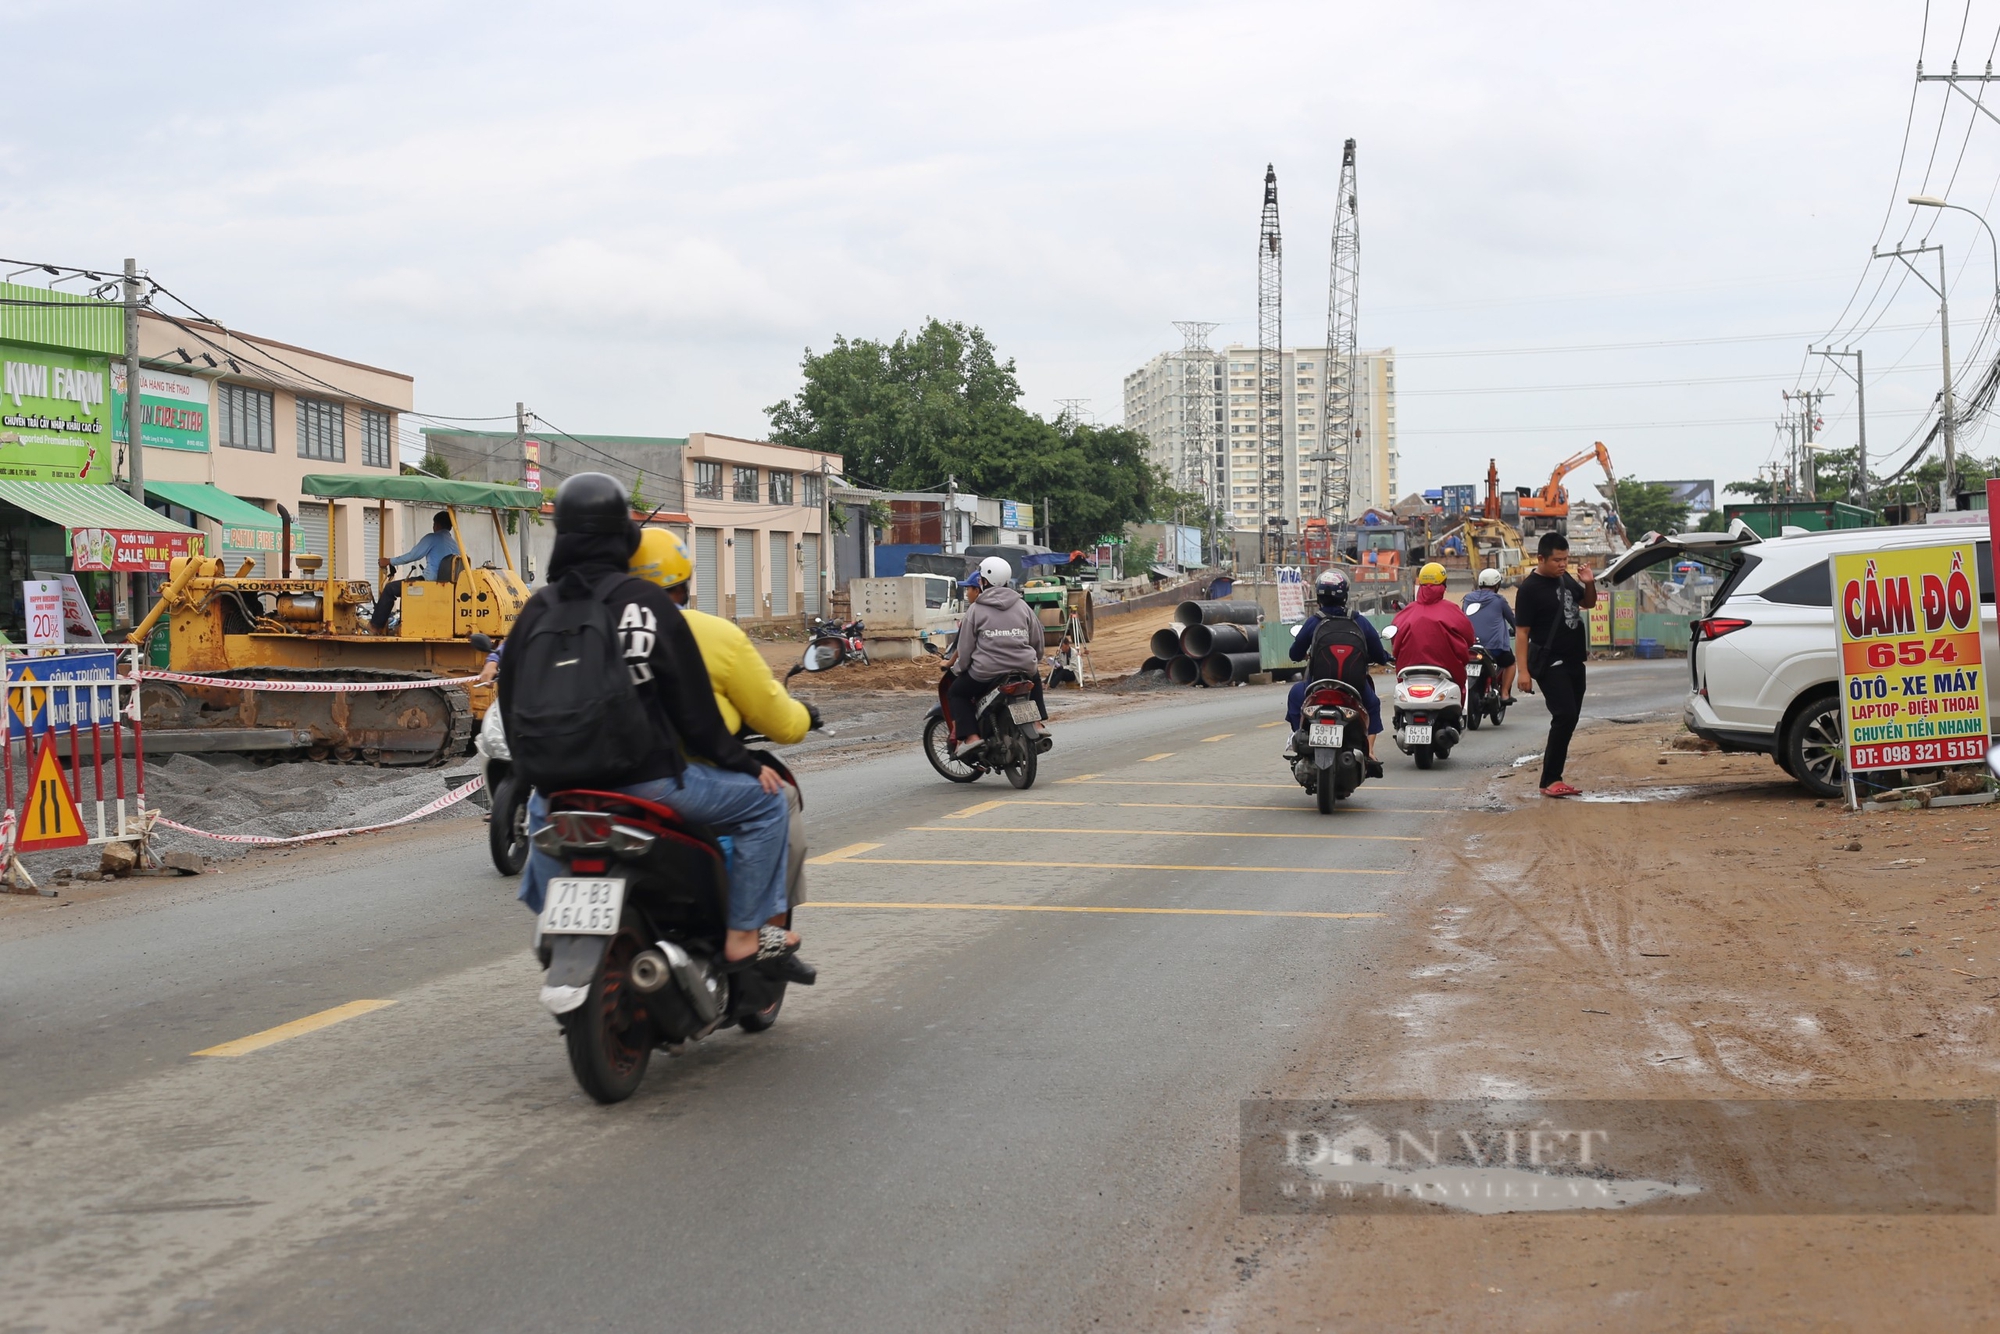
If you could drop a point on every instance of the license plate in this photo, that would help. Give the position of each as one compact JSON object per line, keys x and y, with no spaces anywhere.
{"x":576,"y":907}
{"x":1326,"y":734}
{"x":1473,"y":669}
{"x":1414,"y":735}
{"x":1023,"y":711}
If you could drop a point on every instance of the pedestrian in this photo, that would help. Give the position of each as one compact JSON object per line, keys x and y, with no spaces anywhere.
{"x":1550,"y":644}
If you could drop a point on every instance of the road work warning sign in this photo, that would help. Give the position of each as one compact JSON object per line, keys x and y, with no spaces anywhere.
{"x":1911,"y":674}
{"x":49,"y":818}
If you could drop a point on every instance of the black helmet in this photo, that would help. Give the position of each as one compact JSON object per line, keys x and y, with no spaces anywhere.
{"x":1331,"y":591}
{"x":593,"y":502}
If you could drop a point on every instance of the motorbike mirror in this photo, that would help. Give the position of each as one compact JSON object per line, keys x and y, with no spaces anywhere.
{"x":1993,"y":761}
{"x":819,"y":657}
{"x":933,"y":649}
{"x":480,"y":642}
{"x":1388,"y":632}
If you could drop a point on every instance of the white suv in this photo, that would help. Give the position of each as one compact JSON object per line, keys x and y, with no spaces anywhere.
{"x":1763,"y":666}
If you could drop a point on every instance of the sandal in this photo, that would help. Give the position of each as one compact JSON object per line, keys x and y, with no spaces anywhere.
{"x":771,"y":945}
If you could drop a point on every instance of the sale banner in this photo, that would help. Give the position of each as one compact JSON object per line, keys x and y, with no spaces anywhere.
{"x":1912,"y":680}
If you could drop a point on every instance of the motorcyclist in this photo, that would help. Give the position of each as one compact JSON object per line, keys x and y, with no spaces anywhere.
{"x":1493,"y":621}
{"x":746,"y":693}
{"x":1331,"y":591}
{"x":1431,"y":632}
{"x":998,"y":634}
{"x":733,"y":792}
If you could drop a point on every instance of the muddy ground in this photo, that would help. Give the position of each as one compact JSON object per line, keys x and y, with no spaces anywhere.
{"x":1735,"y":939}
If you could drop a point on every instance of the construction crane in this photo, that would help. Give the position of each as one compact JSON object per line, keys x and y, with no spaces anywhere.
{"x":1270,"y":362}
{"x":1552,"y":501}
{"x":1343,"y":354}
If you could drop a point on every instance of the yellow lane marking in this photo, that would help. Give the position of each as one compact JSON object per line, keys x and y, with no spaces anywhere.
{"x":1219,"y":736}
{"x":1164,"y":782}
{"x":1101,"y":866}
{"x":1279,"y":723}
{"x":841,"y":854}
{"x":1165,"y":754}
{"x":971,"y":811}
{"x":1154,"y":833}
{"x":1298,"y":808}
{"x":1080,"y":778}
{"x":1053,"y":907}
{"x":312,"y":1022}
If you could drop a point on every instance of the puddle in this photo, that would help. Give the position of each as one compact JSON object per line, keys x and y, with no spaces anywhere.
{"x":1526,"y":760}
{"x":1639,"y":794}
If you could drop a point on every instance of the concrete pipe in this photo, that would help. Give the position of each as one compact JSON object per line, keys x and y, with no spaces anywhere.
{"x":1154,"y":664}
{"x":1183,"y":670}
{"x":1166,"y":643}
{"x":1221,"y":669}
{"x":1198,"y":641}
{"x":1218,"y":613}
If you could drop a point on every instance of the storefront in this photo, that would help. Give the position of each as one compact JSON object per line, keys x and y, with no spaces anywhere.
{"x":97,"y":533}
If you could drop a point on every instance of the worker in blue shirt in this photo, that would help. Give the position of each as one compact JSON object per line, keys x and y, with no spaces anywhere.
{"x":432,"y":550}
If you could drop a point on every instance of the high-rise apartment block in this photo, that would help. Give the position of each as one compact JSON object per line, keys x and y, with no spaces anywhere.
{"x":1161,"y":398}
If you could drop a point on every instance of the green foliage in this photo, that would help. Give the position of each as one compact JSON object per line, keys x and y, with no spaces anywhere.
{"x":1713,"y":522}
{"x":638,"y":496}
{"x":433,"y":464}
{"x":906,"y":415}
{"x":1649,"y":507}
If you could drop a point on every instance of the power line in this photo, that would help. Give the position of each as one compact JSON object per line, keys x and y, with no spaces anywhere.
{"x":1625,"y":347}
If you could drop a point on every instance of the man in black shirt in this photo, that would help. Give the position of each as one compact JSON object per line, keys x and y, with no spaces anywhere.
{"x":1550,"y":643}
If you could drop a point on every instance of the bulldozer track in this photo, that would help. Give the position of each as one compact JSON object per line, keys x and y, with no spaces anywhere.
{"x":456,"y":704}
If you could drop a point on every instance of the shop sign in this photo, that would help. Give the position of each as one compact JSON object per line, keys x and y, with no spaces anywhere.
{"x":1291,"y":594}
{"x":250,"y":539}
{"x":173,"y":409}
{"x":79,"y":621}
{"x":1599,"y":620}
{"x":1912,"y":679}
{"x":1625,"y":616}
{"x":55,"y":411}
{"x":42,"y":601}
{"x":132,"y":549}
{"x":531,"y":475}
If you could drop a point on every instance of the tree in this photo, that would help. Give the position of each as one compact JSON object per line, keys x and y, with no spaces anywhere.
{"x":907,"y":414}
{"x":1649,"y":507}
{"x":433,"y":464}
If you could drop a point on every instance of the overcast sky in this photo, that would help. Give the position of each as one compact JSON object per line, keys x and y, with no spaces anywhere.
{"x":636,"y":217}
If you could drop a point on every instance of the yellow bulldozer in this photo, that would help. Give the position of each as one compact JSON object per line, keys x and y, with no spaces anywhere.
{"x":313,"y":627}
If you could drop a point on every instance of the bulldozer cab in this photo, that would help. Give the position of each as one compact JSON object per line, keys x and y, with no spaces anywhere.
{"x":465,"y":599}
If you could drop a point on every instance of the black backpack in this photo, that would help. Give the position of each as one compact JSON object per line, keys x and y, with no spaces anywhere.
{"x":576,"y":718}
{"x":1339,"y":653}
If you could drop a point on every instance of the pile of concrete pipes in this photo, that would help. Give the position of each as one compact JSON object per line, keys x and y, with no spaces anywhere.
{"x":1210,"y":644}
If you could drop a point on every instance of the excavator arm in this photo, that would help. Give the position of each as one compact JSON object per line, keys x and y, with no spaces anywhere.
{"x":1553,"y":493}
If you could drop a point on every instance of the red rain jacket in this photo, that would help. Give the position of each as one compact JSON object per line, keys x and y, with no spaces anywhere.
{"x":1432,"y":632}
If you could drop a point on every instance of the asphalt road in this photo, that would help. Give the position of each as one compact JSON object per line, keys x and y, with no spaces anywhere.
{"x":978,"y":1117}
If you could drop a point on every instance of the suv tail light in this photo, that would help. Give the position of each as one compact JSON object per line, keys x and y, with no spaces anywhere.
{"x":1715,"y":627}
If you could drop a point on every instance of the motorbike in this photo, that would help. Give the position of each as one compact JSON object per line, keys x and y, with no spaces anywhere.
{"x":503,"y":795}
{"x":1482,"y":690}
{"x":1428,"y":715}
{"x":1006,"y":716}
{"x":1330,"y":750}
{"x":844,"y":642}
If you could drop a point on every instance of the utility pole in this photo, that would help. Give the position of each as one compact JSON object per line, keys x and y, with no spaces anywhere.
{"x":1839,"y":359}
{"x":135,"y":449}
{"x":1949,"y":416}
{"x":1270,"y":361}
{"x":521,"y":445}
{"x":950,"y":514}
{"x":1807,"y":457}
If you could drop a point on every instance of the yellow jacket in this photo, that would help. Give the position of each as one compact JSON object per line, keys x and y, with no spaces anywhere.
{"x":745,"y":690}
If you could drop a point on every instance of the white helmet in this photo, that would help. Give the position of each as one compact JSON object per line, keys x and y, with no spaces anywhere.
{"x":995,"y":572}
{"x":1489,"y":578}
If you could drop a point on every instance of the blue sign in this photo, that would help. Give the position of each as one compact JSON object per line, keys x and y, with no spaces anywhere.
{"x":35,"y":709}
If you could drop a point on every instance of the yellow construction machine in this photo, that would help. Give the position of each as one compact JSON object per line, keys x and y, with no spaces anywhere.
{"x":313,"y":628}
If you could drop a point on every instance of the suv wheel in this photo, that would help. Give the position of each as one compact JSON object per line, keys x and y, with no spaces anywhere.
{"x":1814,"y":747}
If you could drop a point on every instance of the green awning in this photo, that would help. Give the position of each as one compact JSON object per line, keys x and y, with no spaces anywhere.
{"x":244,"y":526}
{"x":422,"y":490}
{"x":83,"y":505}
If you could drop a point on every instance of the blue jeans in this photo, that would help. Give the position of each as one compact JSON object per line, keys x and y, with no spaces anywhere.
{"x":1295,"y":703}
{"x":736,"y":804}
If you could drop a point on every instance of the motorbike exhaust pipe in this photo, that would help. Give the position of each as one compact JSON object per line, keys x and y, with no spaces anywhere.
{"x":695,"y":980}
{"x":650,"y":972}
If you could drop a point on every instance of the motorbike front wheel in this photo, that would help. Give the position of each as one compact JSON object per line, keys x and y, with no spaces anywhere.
{"x":1424,"y":755}
{"x":608,"y":1043}
{"x":756,"y":1021}
{"x":937,"y":749}
{"x":507,"y":827}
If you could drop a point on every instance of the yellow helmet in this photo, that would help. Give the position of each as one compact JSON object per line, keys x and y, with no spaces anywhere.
{"x":662,"y":558}
{"x":1432,"y":573}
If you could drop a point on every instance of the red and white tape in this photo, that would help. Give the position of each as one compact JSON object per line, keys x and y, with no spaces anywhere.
{"x":308,"y":687}
{"x":452,"y":797}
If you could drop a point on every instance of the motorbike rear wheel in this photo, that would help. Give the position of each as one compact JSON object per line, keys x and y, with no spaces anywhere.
{"x":507,"y":828}
{"x":1499,"y":712}
{"x":1472,"y":717}
{"x":937,"y":749}
{"x":609,"y":1045}
{"x":1424,"y":756}
{"x":1323,"y":791}
{"x":1022,"y":775}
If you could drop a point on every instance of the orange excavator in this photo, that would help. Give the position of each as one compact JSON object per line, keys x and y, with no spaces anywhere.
{"x":1552,"y":501}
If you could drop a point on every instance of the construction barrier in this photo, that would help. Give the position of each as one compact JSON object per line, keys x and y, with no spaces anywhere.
{"x":85,"y":702}
{"x":456,"y":795}
{"x":307,"y":687}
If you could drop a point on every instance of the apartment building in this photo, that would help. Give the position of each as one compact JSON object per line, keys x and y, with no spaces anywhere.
{"x":1160,"y":400}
